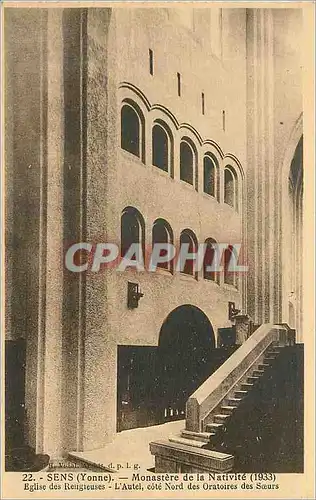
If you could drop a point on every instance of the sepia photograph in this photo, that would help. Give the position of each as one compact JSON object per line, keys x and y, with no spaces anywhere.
{"x":158,"y":251}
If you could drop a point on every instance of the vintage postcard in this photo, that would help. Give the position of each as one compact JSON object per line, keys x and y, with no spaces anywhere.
{"x":158,"y":250}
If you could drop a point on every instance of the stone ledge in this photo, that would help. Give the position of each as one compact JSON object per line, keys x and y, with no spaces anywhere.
{"x":176,"y":457}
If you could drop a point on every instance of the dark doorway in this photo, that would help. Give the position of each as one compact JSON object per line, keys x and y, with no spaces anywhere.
{"x":154,"y":383}
{"x":136,"y":391}
{"x":185,"y":352}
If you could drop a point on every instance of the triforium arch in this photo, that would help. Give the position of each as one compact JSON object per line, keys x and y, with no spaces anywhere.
{"x":211,"y":152}
{"x":210,"y":261}
{"x":162,"y":146}
{"x":211,"y":175}
{"x":292,"y":196}
{"x":233,"y":180}
{"x":188,"y":237}
{"x":189,"y":161}
{"x":132,"y":229}
{"x":162,"y":233}
{"x":133,"y":129}
{"x":231,"y":162}
{"x":131,"y":97}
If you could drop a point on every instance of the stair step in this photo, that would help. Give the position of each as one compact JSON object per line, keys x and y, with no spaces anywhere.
{"x":263,"y":366}
{"x":213,"y":427}
{"x":241,"y":393}
{"x":233,"y":401}
{"x":272,"y":352}
{"x":187,"y":442}
{"x":220,"y":418}
{"x":252,"y":379}
{"x":246,"y":386}
{"x":258,"y":373}
{"x":269,"y":359}
{"x":230,"y":409}
{"x":197,"y":436}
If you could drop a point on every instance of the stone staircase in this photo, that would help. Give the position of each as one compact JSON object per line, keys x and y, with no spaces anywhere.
{"x":213,"y":409}
{"x":218,"y":418}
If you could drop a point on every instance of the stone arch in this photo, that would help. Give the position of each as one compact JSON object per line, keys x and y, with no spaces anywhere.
{"x":132,"y":229}
{"x":162,"y":233}
{"x":185,"y":349}
{"x":195,"y":316}
{"x":133,"y":129}
{"x":167,"y":161}
{"x":189,"y":161}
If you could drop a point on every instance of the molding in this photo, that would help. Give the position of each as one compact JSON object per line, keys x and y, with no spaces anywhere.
{"x":232,"y":157}
{"x":165,"y":110}
{"x":193,"y":131}
{"x":212,"y":143}
{"x":137,"y":91}
{"x":202,"y":142}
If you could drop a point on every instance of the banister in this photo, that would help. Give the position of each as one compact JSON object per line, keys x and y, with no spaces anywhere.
{"x":214,"y":389}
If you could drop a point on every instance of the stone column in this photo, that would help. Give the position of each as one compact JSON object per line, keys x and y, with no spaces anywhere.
{"x":52,"y":382}
{"x":263,"y":189}
{"x":99,"y":373}
{"x":26,"y":217}
{"x":35,"y":191}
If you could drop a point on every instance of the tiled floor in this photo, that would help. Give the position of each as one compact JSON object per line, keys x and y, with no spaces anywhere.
{"x":130,"y":449}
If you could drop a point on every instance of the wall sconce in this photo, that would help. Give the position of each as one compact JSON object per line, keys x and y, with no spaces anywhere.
{"x":232,"y":311}
{"x":133,"y":295}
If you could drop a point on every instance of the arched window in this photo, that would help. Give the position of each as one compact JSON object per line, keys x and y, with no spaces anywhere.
{"x":162,"y":233}
{"x":161,"y":147}
{"x":187,"y":162}
{"x":210,"y":177}
{"x":188,"y":238}
{"x":209,"y":260}
{"x":132,"y":129}
{"x":132,"y":229}
{"x":230,"y":276}
{"x":230,"y":187}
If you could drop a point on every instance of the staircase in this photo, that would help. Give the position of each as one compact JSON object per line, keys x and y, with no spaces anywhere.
{"x":218,"y":418}
{"x":213,"y":407}
{"x":266,"y":431}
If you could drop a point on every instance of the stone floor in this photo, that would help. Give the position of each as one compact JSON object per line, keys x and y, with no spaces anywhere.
{"x":129,"y":450}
